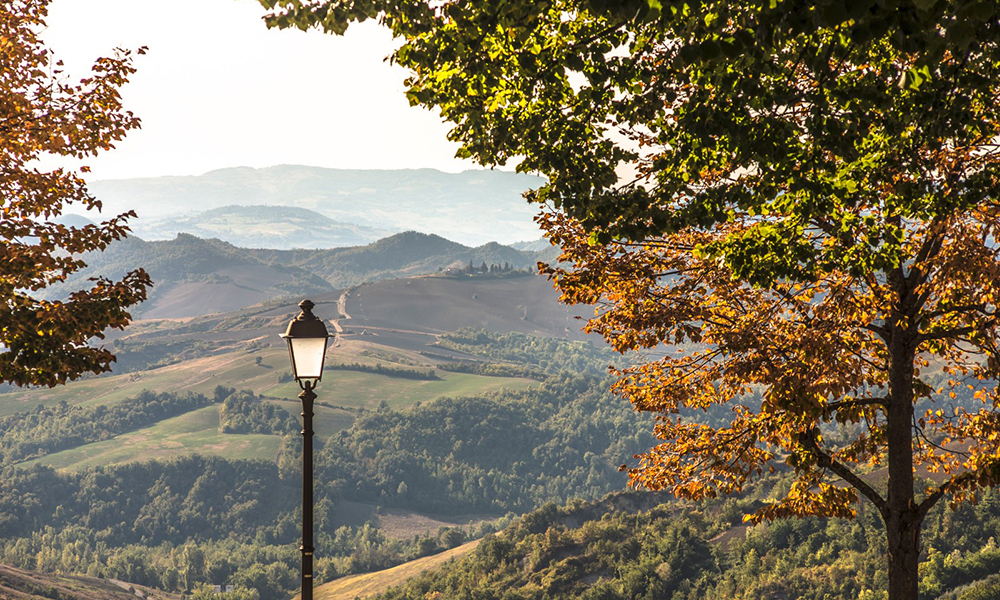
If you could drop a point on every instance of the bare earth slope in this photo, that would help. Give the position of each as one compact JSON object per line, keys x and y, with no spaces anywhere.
{"x":526,"y":304}
{"x":369,"y":584}
{"x":18,"y":584}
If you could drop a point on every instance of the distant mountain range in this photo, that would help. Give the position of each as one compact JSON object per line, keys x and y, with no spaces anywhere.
{"x":194,"y":276}
{"x":283,"y":227}
{"x":255,"y":207}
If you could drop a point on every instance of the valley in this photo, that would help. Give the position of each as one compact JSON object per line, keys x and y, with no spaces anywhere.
{"x":466,"y":446}
{"x":400,"y":375}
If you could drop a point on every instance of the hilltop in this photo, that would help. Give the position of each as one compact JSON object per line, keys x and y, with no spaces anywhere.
{"x":265,"y":226}
{"x":194,"y":276}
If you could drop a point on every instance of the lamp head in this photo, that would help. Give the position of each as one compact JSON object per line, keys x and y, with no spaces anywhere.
{"x":306,"y":336}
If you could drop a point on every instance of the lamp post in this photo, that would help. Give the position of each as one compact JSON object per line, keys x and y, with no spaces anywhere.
{"x":307,"y":336}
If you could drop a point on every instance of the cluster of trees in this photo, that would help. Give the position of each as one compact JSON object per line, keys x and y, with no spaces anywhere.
{"x":194,"y":498}
{"x":244,"y":412}
{"x":45,"y":430}
{"x":700,"y":551}
{"x":492,"y":270}
{"x":492,"y":369}
{"x":548,"y":354}
{"x":498,"y":452}
{"x":269,"y":571}
{"x":180,"y":525}
{"x":380,"y":369}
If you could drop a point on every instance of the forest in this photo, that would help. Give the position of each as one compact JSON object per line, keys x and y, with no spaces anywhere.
{"x":45,"y":430}
{"x":180,"y":524}
{"x":607,"y":550}
{"x":176,"y":524}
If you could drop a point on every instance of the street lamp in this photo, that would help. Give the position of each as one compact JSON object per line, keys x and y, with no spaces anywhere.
{"x":307,"y":336}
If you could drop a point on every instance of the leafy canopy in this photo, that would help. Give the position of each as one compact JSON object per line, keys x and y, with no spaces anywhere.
{"x":41,"y":114}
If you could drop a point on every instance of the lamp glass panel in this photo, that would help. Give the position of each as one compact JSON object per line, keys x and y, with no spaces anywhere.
{"x":307,"y":355}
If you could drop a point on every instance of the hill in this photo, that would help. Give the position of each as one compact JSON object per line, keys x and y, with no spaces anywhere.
{"x":177,"y":520}
{"x":371,"y":358}
{"x":283,"y":227}
{"x":17,"y":584}
{"x":194,"y":276}
{"x":195,"y":481}
{"x":401,"y":255}
{"x":526,"y":304}
{"x":472,"y":207}
{"x":367,"y":584}
{"x":631,"y":546}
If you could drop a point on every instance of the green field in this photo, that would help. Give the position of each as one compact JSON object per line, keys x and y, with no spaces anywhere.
{"x":238,"y":370}
{"x":196,"y":432}
{"x":366,"y":390}
{"x":200,"y":375}
{"x":327,"y":421}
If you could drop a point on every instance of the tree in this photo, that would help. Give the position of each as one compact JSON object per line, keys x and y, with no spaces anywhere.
{"x":44,"y":342}
{"x":796,"y":200}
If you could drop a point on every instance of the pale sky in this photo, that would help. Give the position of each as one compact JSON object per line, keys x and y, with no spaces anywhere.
{"x":218,"y":89}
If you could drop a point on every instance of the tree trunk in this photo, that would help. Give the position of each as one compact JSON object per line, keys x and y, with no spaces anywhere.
{"x":904,"y":551}
{"x":902,"y":520}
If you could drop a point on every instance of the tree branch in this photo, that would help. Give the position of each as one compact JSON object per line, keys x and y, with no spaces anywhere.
{"x":937,"y":494}
{"x":947,"y":333}
{"x":880,"y":331}
{"x":826,"y":461}
{"x":834,"y":406}
{"x":965,"y":308}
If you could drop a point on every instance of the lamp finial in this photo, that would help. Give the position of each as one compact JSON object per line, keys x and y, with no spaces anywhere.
{"x":306,"y":314}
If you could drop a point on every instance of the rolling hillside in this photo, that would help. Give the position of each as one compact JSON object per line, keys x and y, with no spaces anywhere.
{"x":194,"y":276}
{"x":284,"y":227}
{"x":423,"y":439}
{"x":526,"y":304}
{"x":394,"y":323}
{"x":18,"y":584}
{"x":369,"y":584}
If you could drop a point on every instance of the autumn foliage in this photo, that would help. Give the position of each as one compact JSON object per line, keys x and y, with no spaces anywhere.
{"x":45,"y":342}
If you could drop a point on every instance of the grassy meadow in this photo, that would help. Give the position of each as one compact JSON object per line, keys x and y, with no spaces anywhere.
{"x":200,"y":375}
{"x":196,"y":432}
{"x":237,"y":369}
{"x":369,"y":584}
{"x":354,"y":389}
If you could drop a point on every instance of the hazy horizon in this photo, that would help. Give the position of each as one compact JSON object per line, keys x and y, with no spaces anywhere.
{"x":220,"y":89}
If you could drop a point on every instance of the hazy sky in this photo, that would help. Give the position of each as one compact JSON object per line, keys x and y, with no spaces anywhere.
{"x":218,"y":89}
